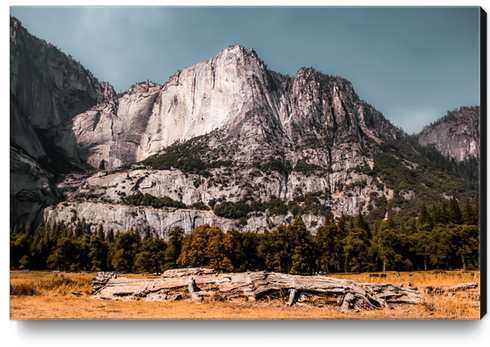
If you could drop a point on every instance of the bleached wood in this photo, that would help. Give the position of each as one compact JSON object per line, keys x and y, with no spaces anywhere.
{"x":254,"y":285}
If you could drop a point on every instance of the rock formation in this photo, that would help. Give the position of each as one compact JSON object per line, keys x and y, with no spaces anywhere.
{"x":47,"y":89}
{"x":457,"y":135}
{"x":264,"y":134}
{"x":225,"y":130}
{"x":236,"y":94}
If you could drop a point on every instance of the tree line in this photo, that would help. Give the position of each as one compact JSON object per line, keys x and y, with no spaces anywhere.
{"x":447,"y":237}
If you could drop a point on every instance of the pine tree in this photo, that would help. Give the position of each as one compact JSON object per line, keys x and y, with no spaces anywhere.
{"x":63,"y":254}
{"x":265,"y":251}
{"x":422,"y":244}
{"x":79,"y":229}
{"x":468,"y":214}
{"x":100,"y":232}
{"x":360,"y":222}
{"x":302,"y":247}
{"x":147,"y":258}
{"x":356,"y":249}
{"x":329,"y":247}
{"x":54,"y":233}
{"x":20,"y":243}
{"x":82,"y":259}
{"x":111,"y":248}
{"x":219,"y":250}
{"x":477,"y":208}
{"x":110,"y":237}
{"x":282,"y":249}
{"x":465,"y":243}
{"x":246,"y":251}
{"x":342,"y":224}
{"x":454,"y":211}
{"x":439,"y":246}
{"x":384,"y":245}
{"x":174,"y":246}
{"x":405,"y":247}
{"x":97,"y":253}
{"x":436,"y":214}
{"x":125,"y":248}
{"x":425,"y":217}
{"x":444,"y":213}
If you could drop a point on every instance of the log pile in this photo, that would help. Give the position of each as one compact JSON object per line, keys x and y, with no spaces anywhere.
{"x":196,"y":284}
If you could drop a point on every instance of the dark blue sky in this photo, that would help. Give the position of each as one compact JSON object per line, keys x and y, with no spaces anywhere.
{"x":412,"y":64}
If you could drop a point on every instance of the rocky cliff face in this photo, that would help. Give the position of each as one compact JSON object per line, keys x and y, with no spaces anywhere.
{"x":246,"y":134}
{"x":50,"y":87}
{"x":457,"y":135}
{"x":47,"y":89}
{"x":31,"y":189}
{"x":108,"y":191}
{"x":227,"y":133}
{"x":238,"y":95}
{"x":110,"y":133}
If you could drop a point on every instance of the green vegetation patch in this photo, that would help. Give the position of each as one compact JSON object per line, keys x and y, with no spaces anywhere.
{"x":140,"y":199}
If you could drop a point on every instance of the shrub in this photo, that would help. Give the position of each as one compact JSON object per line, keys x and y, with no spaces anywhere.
{"x":257,"y":206}
{"x":199,"y":206}
{"x":276,"y":206}
{"x":233,"y":210}
{"x":139,"y":199}
{"x":24,"y":289}
{"x":241,"y":222}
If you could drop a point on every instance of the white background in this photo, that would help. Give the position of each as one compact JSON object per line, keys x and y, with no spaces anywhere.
{"x":221,"y":333}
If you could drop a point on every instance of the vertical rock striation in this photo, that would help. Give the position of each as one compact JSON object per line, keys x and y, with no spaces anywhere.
{"x":236,"y":94}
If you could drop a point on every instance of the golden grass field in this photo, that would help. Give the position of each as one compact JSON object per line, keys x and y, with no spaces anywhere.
{"x":41,"y":295}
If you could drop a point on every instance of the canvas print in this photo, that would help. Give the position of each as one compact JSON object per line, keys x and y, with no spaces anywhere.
{"x":245,"y":163}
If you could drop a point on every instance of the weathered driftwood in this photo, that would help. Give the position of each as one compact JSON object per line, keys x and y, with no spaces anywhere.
{"x":198,"y":283}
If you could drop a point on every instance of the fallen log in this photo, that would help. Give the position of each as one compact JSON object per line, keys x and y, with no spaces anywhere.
{"x":194,"y":284}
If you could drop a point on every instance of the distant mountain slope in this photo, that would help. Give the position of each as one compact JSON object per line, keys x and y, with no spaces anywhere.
{"x":456,"y":135}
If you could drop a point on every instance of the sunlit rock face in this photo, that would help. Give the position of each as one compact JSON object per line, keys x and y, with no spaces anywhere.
{"x":246,"y":135}
{"x":456,"y":135}
{"x":229,"y":109}
{"x":236,"y":94}
{"x":220,"y":92}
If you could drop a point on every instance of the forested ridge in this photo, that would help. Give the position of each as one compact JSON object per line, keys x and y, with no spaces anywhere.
{"x":446,"y":236}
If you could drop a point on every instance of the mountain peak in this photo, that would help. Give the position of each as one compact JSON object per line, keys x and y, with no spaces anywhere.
{"x":240,"y":55}
{"x":238,"y":49}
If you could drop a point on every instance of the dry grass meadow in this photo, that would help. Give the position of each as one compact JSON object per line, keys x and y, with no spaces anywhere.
{"x":44,"y":295}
